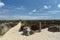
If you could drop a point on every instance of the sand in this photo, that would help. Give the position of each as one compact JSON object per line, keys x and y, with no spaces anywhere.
{"x":14,"y":34}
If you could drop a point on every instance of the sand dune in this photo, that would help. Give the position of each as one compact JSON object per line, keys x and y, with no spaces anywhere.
{"x":14,"y":34}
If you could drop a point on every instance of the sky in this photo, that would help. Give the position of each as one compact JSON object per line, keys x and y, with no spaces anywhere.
{"x":29,"y":9}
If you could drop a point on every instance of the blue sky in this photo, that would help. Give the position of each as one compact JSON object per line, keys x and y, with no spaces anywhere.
{"x":29,"y":9}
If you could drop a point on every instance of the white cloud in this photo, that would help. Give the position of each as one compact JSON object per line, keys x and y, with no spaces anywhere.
{"x":27,"y":17}
{"x":47,"y":6}
{"x":33,"y":11}
{"x":9,"y":17}
{"x":58,"y":5}
{"x":53,"y":12}
{"x":35,"y":17}
{"x":30,"y":13}
{"x":16,"y":17}
{"x":20,"y":8}
{"x":3,"y":11}
{"x":1,"y":4}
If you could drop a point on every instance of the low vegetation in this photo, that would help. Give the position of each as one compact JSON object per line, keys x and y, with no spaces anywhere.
{"x":5,"y":25}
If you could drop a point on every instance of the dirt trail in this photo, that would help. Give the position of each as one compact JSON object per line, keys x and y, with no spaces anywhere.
{"x":14,"y":34}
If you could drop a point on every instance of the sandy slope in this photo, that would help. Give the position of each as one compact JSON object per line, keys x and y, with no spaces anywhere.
{"x":13,"y":34}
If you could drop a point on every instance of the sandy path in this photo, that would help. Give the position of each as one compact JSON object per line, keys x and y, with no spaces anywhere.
{"x":13,"y":34}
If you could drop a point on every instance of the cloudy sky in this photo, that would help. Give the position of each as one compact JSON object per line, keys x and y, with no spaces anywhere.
{"x":29,"y":9}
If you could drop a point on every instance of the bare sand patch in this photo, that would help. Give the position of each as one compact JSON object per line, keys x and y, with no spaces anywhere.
{"x":14,"y":34}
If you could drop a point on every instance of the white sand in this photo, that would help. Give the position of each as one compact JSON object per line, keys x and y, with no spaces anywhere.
{"x":14,"y":34}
